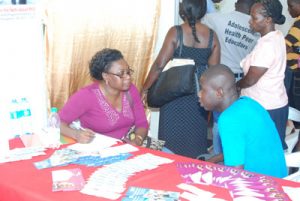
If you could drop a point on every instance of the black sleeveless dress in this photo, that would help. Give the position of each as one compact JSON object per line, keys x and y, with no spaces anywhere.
{"x":183,"y":122}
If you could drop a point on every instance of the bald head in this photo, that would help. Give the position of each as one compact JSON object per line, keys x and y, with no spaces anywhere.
{"x":218,"y":88}
{"x":219,"y":76}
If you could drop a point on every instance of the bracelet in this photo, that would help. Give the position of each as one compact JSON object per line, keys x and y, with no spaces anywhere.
{"x":131,"y":136}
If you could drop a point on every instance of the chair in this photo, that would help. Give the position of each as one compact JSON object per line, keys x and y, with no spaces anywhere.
{"x":291,"y":139}
{"x":293,"y":160}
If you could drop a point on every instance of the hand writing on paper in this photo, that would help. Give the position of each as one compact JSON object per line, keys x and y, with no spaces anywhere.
{"x":85,"y":136}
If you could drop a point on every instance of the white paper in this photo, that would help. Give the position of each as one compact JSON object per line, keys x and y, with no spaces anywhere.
{"x":196,"y":191}
{"x":293,"y":193}
{"x":99,"y":142}
{"x":196,"y":177}
{"x":113,"y":151}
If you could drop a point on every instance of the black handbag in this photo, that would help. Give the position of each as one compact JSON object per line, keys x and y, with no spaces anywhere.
{"x":177,"y":79}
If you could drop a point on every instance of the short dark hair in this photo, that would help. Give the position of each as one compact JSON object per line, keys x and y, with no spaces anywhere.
{"x":102,"y":60}
{"x":273,"y":9}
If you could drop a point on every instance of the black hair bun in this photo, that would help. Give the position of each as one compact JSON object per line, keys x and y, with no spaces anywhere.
{"x":280,"y":20}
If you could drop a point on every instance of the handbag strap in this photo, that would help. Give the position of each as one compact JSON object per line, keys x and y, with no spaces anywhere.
{"x":148,"y":141}
{"x":179,"y":38}
{"x":211,"y":38}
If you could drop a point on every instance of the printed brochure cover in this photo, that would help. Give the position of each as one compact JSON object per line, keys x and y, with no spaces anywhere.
{"x":67,"y":180}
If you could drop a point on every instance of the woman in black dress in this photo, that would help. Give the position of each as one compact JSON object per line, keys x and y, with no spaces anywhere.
{"x":183,"y":122}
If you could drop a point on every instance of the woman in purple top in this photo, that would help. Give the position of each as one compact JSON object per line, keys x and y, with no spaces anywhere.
{"x":110,"y":106}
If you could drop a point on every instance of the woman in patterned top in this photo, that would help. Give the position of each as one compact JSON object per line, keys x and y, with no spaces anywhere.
{"x":109,"y":106}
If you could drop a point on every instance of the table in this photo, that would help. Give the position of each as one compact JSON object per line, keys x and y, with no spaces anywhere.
{"x":21,"y":181}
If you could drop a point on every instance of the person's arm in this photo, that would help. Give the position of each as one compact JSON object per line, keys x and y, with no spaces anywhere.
{"x":232,"y":126}
{"x":216,"y":158}
{"x":81,"y":136}
{"x":165,"y":54}
{"x":239,"y":166}
{"x":260,"y":60}
{"x":219,"y":158}
{"x":76,"y":106}
{"x":292,"y":37}
{"x":140,"y":135}
{"x":215,"y":54}
{"x":252,"y":77}
{"x":289,"y":49}
{"x":141,"y":123}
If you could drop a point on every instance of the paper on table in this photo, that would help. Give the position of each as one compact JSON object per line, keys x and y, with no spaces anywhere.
{"x":195,"y":191}
{"x":293,"y":193}
{"x":18,"y":154}
{"x":100,"y":142}
{"x":113,"y":151}
{"x":101,"y":193}
{"x":67,"y":180}
{"x":193,"y":197}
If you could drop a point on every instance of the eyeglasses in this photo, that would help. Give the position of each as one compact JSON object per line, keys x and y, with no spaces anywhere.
{"x":122,"y":73}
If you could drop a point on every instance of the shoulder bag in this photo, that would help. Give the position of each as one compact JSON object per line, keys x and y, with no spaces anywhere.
{"x":176,"y":80}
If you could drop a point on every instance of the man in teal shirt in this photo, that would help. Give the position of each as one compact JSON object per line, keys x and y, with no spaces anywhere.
{"x":248,"y":135}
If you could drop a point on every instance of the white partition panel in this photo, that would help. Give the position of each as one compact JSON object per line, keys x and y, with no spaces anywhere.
{"x":22,"y":71}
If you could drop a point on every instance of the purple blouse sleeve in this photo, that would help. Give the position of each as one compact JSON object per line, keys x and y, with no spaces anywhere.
{"x":76,"y":105}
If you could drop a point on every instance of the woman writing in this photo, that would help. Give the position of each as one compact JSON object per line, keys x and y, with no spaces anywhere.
{"x":110,"y":106}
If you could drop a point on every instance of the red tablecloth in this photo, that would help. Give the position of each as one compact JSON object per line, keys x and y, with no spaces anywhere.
{"x":21,"y":181}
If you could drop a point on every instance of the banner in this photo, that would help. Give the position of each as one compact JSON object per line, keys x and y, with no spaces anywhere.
{"x":22,"y":70}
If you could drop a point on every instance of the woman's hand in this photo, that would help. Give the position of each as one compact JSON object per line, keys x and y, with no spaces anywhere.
{"x":134,"y":139}
{"x":138,"y":140}
{"x":85,"y":136}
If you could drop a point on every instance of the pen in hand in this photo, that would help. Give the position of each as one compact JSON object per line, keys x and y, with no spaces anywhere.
{"x":85,"y":135}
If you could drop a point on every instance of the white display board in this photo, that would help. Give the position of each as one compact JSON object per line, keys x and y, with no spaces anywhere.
{"x":22,"y":69}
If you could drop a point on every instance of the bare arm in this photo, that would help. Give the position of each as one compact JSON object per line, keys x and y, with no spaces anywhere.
{"x":251,"y":78}
{"x":289,"y":49}
{"x":216,"y":159}
{"x":165,"y":54}
{"x":215,"y":54}
{"x":239,"y":166}
{"x":81,"y":136}
{"x":140,"y":135}
{"x":219,"y":158}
